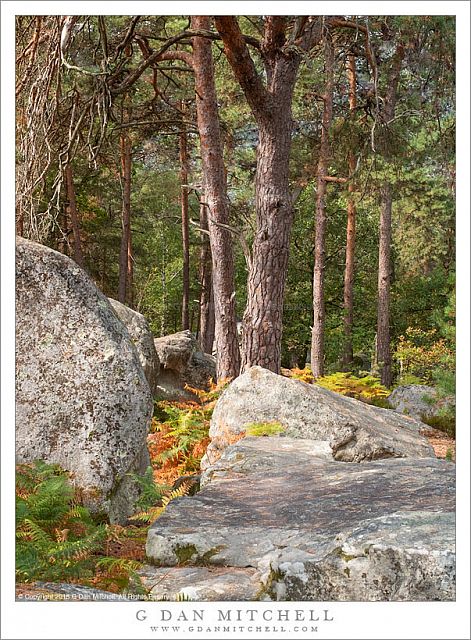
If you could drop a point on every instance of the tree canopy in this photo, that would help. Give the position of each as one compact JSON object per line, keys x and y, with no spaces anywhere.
{"x":321,"y":122}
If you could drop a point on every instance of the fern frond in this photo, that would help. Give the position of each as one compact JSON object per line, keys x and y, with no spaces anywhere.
{"x":147,"y":516}
{"x":30,"y":530}
{"x":182,"y":490}
{"x":120,"y":564}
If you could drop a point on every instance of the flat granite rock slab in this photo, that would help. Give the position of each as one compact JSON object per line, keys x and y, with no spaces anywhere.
{"x":282,"y":506}
{"x":201,"y":583}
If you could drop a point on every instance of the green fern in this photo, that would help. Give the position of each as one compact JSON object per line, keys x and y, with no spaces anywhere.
{"x":368,"y":388}
{"x":185,"y":426}
{"x":57,"y":538}
{"x":151,"y":492}
{"x":150,"y":515}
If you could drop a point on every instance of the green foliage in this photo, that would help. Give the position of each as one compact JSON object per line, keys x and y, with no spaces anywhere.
{"x":151,"y":492}
{"x":273,"y":428}
{"x":368,"y":389}
{"x":55,"y":536}
{"x":152,"y":511}
{"x":58,"y":540}
{"x":420,"y":353}
{"x":186,"y":427}
{"x":444,"y":422}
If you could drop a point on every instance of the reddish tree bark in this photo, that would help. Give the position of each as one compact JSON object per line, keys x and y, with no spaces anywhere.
{"x":227,"y":348}
{"x":351,"y":229}
{"x":206,"y":323}
{"x":130,"y":272}
{"x":383,"y":343}
{"x":73,"y":214}
{"x":125,"y":258}
{"x":271,"y":106}
{"x":318,"y":328}
{"x":185,"y":229}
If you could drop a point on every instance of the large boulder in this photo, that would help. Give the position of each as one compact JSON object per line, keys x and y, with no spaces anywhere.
{"x":182,"y":363}
{"x":418,"y":401}
{"x":82,"y":400}
{"x":313,"y":528}
{"x":143,"y":340}
{"x":355,"y":430}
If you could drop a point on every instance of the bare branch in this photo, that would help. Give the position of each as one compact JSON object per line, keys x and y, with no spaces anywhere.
{"x":242,"y":64}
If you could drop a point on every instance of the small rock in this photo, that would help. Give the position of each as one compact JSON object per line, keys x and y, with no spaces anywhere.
{"x":201,"y":583}
{"x":183,"y":363}
{"x":418,"y":401}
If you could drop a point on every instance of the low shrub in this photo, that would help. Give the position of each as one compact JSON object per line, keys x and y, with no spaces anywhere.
{"x":368,"y":388}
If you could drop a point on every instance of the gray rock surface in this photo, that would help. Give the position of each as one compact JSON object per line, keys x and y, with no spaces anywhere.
{"x":82,"y":400}
{"x":355,"y":430}
{"x":417,"y":401}
{"x":182,"y":363}
{"x":143,"y":340}
{"x":318,"y":529}
{"x":201,"y":583}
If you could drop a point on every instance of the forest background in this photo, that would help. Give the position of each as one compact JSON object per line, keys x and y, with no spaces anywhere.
{"x":337,"y":236}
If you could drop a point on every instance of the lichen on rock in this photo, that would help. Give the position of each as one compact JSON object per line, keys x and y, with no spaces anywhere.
{"x":82,"y":400}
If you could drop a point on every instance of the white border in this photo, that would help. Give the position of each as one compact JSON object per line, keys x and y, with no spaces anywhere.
{"x":352,"y":620}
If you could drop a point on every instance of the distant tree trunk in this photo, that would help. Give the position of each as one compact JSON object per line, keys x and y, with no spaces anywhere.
{"x":383,"y":349}
{"x":317,"y":344}
{"x":73,"y":214}
{"x":125,"y":258}
{"x":227,"y":348}
{"x":351,"y":230}
{"x":20,"y":220}
{"x":206,"y":324}
{"x":103,"y":271}
{"x":185,"y":228}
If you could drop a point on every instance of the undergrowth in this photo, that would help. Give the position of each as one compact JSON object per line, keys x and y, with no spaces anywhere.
{"x":179,"y":434}
{"x":367,"y":388}
{"x":273,"y":428}
{"x":57,"y":539}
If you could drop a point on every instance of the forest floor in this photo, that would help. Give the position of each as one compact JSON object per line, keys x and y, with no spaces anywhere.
{"x":183,"y":433}
{"x":442,"y":444}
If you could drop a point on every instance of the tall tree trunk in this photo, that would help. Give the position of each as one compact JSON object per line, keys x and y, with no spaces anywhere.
{"x":185,"y":227}
{"x":124,"y":260}
{"x":383,"y":349}
{"x":227,"y":348}
{"x":318,"y":328}
{"x":73,"y":214}
{"x":271,"y":106}
{"x":263,"y":317}
{"x":206,"y":323}
{"x":351,"y":229}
